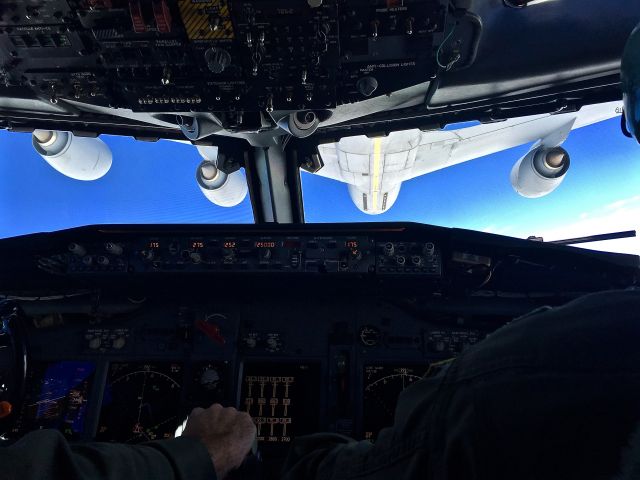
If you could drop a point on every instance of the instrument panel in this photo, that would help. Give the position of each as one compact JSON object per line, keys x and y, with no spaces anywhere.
{"x":279,"y":398}
{"x":307,"y":328}
{"x":382,"y":385}
{"x":296,"y":370}
{"x":140,"y":402}
{"x":242,"y":60}
{"x":249,"y":255}
{"x":148,"y":323}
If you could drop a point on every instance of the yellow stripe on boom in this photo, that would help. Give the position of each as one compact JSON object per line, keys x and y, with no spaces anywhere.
{"x":377,"y":160}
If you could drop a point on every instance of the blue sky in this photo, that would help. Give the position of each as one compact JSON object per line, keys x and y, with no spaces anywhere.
{"x":154,"y":183}
{"x":148,"y":183}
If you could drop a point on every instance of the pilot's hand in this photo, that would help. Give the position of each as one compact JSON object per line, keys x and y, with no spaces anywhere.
{"x":227,"y":433}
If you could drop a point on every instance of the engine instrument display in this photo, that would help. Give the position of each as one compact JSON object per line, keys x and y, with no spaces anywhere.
{"x":282,"y":399}
{"x":56,"y":397}
{"x":382,"y":387}
{"x":141,"y":402}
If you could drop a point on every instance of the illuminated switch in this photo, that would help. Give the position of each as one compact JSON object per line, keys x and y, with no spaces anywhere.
{"x":261,"y":403}
{"x":274,"y":403}
{"x":259,"y":421}
{"x":286,"y":402}
{"x":287,"y":382}
{"x":250,"y":389}
{"x":285,"y":422}
{"x":284,"y":429}
{"x":248,"y":402}
{"x":272,"y":423}
{"x":263,"y":381}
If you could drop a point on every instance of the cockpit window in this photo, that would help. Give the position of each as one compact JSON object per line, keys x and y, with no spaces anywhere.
{"x":464,"y":177}
{"x":551,"y":176}
{"x":145,"y":183}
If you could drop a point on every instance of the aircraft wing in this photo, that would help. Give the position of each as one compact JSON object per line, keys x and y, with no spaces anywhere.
{"x":374,"y":168}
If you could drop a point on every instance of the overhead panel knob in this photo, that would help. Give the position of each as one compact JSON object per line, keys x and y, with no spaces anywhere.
{"x":217,"y":59}
{"x":367,"y":85}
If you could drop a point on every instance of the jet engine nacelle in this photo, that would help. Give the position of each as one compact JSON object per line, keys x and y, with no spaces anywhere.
{"x":225,"y":190}
{"x":540,"y":171}
{"x":79,"y":158}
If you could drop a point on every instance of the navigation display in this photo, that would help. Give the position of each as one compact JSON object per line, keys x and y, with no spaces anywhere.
{"x":56,"y":397}
{"x":283,"y":399}
{"x":382,"y":387}
{"x":141,"y":402}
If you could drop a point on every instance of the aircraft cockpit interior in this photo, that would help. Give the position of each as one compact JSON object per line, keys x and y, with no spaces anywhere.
{"x":114,"y":332}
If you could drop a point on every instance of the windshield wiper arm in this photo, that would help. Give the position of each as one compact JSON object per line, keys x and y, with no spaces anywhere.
{"x":592,"y":238}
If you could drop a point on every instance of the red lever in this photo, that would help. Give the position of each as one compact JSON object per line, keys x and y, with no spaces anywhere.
{"x":135,"y":10}
{"x":5,"y":409}
{"x":211,"y":330}
{"x":162,"y":15}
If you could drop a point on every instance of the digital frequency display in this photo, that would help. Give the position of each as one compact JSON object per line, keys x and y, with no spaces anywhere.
{"x":382,"y":387}
{"x":265,"y":244}
{"x":141,"y":402}
{"x":56,"y":397}
{"x":282,"y":399}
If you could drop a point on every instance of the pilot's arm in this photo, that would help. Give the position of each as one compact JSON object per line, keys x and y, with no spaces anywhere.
{"x":553,"y":395}
{"x":215,"y":441}
{"x":400,"y":453}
